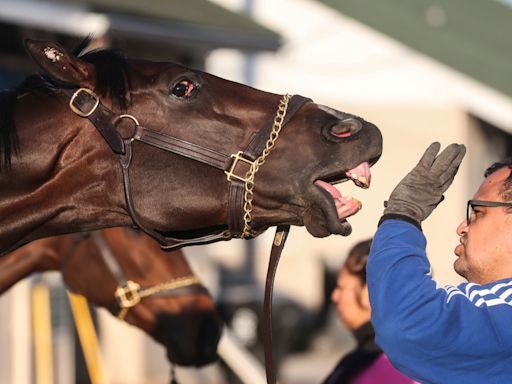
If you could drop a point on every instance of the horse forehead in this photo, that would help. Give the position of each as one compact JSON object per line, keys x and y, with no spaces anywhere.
{"x":333,"y":112}
{"x":149,"y":68}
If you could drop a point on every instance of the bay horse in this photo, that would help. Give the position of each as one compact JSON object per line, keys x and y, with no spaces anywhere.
{"x":98,"y":140}
{"x":128,"y":274}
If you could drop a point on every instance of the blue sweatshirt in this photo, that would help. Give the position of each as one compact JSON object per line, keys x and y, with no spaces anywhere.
{"x":436,"y":335}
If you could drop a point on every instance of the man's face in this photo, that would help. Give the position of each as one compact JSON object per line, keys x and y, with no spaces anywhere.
{"x":485,"y":249}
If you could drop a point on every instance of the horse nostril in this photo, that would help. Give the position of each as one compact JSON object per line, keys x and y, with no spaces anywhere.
{"x":346,"y":127}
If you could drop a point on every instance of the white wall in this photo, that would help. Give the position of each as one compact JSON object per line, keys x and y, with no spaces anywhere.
{"x":343,"y":64}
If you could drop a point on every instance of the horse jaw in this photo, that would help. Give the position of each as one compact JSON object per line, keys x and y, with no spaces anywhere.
{"x":330,"y":212}
{"x":321,"y":219}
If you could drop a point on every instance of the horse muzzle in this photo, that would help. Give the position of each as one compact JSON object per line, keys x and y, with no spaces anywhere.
{"x":189,"y":341}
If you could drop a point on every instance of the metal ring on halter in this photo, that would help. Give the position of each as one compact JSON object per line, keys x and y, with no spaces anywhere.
{"x":132,"y":118}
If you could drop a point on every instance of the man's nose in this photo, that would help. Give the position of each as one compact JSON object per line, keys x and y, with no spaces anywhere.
{"x":462,"y":228}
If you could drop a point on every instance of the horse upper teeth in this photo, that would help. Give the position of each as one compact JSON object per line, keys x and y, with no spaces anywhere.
{"x":363,"y":180}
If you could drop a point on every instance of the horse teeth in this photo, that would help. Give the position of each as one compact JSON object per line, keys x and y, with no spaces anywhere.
{"x":350,"y":198}
{"x":363,"y":180}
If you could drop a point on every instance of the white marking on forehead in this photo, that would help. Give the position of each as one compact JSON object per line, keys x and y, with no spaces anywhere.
{"x":53,"y":54}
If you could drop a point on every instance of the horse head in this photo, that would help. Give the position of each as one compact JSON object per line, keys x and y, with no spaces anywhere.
{"x":107,"y":141}
{"x":130,"y":276}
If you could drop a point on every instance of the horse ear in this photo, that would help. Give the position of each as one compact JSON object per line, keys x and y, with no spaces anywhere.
{"x":58,"y":62}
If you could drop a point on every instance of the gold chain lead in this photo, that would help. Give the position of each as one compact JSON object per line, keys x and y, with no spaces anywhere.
{"x":249,"y":177}
{"x":136,"y":293}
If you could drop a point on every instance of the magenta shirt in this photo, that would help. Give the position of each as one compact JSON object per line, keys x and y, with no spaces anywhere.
{"x":381,"y":372}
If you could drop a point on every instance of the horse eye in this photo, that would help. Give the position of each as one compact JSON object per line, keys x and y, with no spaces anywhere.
{"x":183,"y":88}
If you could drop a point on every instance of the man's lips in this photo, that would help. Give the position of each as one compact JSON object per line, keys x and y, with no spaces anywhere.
{"x":460,"y":249}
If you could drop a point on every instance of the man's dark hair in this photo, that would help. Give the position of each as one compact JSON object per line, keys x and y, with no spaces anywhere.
{"x":506,"y":188}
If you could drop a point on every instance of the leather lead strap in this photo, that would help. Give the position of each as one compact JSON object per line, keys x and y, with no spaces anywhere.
{"x":275,"y":254}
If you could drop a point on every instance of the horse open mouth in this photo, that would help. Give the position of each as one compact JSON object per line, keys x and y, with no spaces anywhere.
{"x":335,"y":207}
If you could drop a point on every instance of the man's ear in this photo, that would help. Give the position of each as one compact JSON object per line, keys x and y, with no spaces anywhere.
{"x":59,"y":63}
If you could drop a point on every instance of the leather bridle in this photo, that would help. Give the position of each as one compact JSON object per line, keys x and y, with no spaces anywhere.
{"x":239,"y":168}
{"x":129,"y":293}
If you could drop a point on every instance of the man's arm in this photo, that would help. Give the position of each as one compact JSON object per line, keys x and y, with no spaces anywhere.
{"x":429,"y":334}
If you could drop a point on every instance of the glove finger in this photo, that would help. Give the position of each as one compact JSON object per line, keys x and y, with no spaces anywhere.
{"x":453,"y":166}
{"x":449,"y":164}
{"x":429,"y":156}
{"x":445,"y":159}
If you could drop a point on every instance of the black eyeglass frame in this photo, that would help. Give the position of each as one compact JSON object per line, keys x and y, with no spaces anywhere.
{"x":483,"y":203}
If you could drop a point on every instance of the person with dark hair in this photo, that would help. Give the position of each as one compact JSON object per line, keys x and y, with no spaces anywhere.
{"x":453,"y":334}
{"x":366,"y":364}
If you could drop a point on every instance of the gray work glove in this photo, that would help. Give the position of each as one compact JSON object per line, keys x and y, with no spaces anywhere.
{"x":421,"y":190}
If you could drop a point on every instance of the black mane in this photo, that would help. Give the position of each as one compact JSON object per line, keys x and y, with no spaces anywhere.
{"x":8,"y":134}
{"x":111,"y":80}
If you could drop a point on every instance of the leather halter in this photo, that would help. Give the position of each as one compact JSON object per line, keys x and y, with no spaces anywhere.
{"x":86,"y":104}
{"x":129,"y":293}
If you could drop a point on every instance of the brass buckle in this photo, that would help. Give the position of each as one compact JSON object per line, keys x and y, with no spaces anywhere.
{"x":236,"y":157}
{"x":91,"y":94}
{"x":127,"y":295}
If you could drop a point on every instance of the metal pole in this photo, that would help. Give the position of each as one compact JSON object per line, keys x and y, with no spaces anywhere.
{"x":248,"y":369}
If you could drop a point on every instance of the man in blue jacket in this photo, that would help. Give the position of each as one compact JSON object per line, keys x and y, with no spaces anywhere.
{"x":453,"y":334}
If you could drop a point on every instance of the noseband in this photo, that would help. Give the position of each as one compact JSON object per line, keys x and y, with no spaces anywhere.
{"x":240,"y":169}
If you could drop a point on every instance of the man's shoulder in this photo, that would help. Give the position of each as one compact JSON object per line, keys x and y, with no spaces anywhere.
{"x":488,"y":295}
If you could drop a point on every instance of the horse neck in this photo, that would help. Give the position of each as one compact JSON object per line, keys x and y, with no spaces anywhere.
{"x":63,"y":179}
{"x":39,"y":256}
{"x":142,"y":259}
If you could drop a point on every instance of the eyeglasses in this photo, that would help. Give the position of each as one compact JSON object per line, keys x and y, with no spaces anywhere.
{"x":483,"y":203}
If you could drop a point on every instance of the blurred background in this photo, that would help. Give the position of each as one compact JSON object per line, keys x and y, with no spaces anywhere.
{"x":422,"y":71}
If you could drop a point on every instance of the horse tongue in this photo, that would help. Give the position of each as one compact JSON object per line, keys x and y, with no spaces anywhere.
{"x":329,"y":188}
{"x":360,"y":175}
{"x":346,"y":206}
